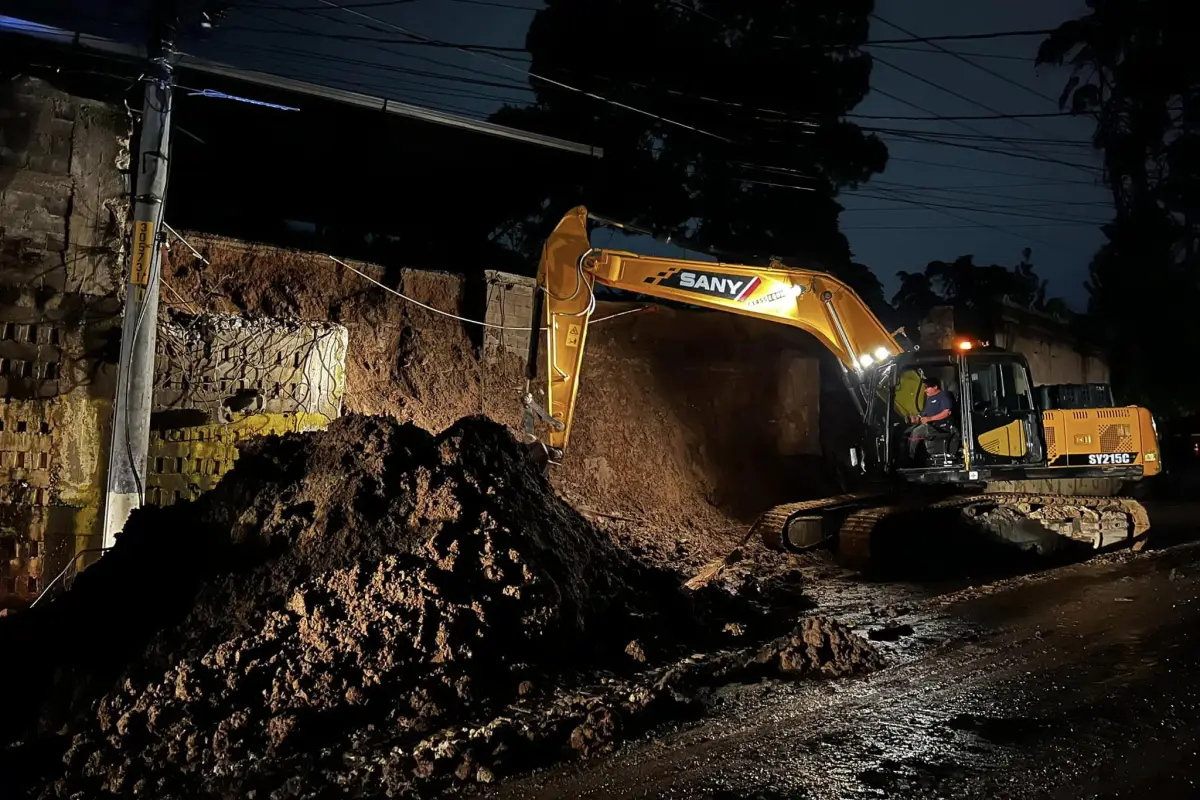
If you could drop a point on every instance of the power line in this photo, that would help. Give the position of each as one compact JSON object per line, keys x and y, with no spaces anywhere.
{"x":369,"y":80}
{"x":926,"y":51}
{"x":951,"y":92}
{"x":987,"y":171}
{"x":949,"y":118}
{"x":390,"y":3}
{"x":962,"y":37}
{"x":973,"y":226}
{"x":1005,"y":230}
{"x":543,"y":78}
{"x":953,"y":122}
{"x":965,"y":60}
{"x":303,"y":57}
{"x":972,"y":191}
{"x":1042,"y":158}
{"x":411,"y":56}
{"x":931,"y":204}
{"x":980,"y":137}
{"x":351,"y":38}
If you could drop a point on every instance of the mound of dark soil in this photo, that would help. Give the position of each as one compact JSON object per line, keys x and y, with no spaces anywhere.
{"x":366,"y":606}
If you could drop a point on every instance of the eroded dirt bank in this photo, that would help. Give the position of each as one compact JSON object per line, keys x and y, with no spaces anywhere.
{"x":689,"y":423}
{"x":373,"y":607}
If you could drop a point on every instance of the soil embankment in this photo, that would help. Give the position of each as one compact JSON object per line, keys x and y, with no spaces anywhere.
{"x":689,"y":423}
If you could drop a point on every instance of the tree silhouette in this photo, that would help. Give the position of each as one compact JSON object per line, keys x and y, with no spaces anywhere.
{"x":721,"y":121}
{"x":977,"y":293}
{"x":1133,"y":69}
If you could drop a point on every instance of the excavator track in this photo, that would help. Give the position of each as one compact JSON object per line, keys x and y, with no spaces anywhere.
{"x":1099,"y":521}
{"x":772,"y":526}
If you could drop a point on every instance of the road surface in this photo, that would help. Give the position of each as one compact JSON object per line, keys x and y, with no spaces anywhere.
{"x":1077,"y":682}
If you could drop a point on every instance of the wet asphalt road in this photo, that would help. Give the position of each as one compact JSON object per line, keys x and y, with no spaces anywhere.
{"x":1082,"y":681}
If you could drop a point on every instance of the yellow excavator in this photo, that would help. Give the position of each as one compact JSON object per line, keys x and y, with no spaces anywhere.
{"x":997,"y":458}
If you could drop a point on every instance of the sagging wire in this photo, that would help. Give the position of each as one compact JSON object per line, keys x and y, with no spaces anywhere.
{"x":70,"y":565}
{"x":389,"y":289}
{"x":186,"y":243}
{"x":590,"y":309}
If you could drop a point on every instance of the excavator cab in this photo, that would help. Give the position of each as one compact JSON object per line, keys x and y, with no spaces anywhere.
{"x":994,"y":426}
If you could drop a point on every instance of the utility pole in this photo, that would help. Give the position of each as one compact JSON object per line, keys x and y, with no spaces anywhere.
{"x":126,"y":489}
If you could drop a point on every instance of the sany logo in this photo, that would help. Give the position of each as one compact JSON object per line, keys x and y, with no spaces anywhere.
{"x":714,"y":284}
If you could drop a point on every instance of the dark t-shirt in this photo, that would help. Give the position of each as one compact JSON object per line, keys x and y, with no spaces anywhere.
{"x":936,"y":404}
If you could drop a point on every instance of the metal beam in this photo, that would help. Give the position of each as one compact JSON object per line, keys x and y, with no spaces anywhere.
{"x":406,"y":110}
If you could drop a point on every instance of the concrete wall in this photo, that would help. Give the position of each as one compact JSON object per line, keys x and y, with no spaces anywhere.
{"x":509,"y":304}
{"x":1053,"y":359}
{"x":1054,"y":354}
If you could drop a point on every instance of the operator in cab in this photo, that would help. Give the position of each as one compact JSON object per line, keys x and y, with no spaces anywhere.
{"x":934,"y":418}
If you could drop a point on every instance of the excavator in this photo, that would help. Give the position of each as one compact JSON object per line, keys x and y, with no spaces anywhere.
{"x":997,"y":459}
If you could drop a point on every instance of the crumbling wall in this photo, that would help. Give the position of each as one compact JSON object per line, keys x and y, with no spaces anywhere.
{"x":63,"y":205}
{"x":220,"y":380}
{"x":510,"y":307}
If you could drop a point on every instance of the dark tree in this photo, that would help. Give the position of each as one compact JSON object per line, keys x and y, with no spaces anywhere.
{"x":1135,"y":71}
{"x":976,"y":292}
{"x":721,"y":120}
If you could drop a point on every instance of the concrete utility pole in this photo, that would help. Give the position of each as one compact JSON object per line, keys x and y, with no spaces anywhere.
{"x":126,"y":488}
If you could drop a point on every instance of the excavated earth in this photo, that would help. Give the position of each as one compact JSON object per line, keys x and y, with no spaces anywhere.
{"x":373,"y":609}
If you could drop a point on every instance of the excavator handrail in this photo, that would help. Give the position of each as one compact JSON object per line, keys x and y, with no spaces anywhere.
{"x":812,"y":301}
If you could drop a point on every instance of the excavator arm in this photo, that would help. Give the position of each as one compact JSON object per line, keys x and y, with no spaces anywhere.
{"x":570,"y":268}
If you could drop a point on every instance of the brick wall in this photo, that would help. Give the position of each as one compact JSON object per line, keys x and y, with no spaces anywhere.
{"x":221,"y":379}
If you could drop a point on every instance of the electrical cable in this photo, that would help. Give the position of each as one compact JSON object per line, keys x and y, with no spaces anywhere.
{"x":1005,"y":231}
{"x":1042,"y":158}
{"x":973,"y":226}
{"x":932,"y":204}
{"x":1064,"y":181}
{"x":963,"y":37}
{"x":537,"y":76}
{"x":999,"y":56}
{"x":957,"y":117}
{"x":423,"y":305}
{"x":963,"y":97}
{"x":965,"y":60}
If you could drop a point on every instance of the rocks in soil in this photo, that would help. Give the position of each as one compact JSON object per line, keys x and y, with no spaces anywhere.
{"x":368,"y":608}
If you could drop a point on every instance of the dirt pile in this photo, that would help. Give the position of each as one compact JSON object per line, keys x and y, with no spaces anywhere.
{"x":369,"y":606}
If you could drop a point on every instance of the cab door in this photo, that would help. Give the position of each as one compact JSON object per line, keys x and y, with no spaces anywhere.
{"x":1005,"y":423}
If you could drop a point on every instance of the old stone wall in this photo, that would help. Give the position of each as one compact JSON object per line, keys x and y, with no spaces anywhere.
{"x":63,"y":205}
{"x":63,"y":227}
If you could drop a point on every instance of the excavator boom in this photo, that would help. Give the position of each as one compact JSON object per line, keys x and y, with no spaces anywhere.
{"x":570,"y":267}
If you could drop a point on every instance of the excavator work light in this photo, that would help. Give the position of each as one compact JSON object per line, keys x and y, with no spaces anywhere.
{"x":881,"y":354}
{"x":965,"y":345}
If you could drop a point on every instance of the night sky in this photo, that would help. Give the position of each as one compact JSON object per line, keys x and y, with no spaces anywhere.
{"x":934,"y":201}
